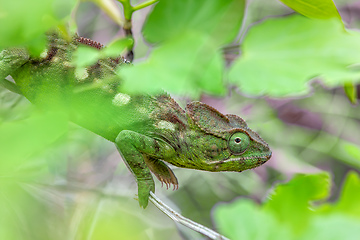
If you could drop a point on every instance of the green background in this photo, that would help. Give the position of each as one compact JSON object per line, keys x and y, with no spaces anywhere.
{"x":283,"y":72}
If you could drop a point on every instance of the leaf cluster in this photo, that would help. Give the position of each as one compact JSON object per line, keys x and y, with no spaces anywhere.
{"x":190,"y":48}
{"x":295,"y":210}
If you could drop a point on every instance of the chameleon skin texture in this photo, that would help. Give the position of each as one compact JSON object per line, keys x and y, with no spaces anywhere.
{"x":148,"y":131}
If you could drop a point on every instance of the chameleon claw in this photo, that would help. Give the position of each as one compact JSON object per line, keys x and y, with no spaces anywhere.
{"x":168,"y":183}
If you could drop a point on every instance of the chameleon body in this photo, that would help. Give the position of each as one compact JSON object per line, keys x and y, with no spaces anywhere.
{"x":148,"y":131}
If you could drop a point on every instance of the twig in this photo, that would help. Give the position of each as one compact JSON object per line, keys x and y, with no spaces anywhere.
{"x":144,"y":4}
{"x":10,"y":86}
{"x":127,"y":27}
{"x":177,"y":217}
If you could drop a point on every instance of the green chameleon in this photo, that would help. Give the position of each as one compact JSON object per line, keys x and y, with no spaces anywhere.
{"x":147,"y":130}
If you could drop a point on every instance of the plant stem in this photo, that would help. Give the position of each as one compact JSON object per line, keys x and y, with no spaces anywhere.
{"x":144,"y":4}
{"x":128,"y":9}
{"x":175,"y":216}
{"x":10,"y":86}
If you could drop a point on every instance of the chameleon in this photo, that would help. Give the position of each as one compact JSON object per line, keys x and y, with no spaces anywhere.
{"x":149,"y":131}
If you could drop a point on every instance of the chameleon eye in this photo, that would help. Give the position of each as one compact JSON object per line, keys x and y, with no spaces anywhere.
{"x":238,"y":143}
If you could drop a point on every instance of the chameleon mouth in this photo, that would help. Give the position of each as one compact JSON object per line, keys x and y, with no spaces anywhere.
{"x":264,"y":157}
{"x":267,"y":156}
{"x":261,"y":158}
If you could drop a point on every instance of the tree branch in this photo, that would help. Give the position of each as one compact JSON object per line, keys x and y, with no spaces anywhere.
{"x":144,"y":4}
{"x":177,"y":217}
{"x":10,"y":86}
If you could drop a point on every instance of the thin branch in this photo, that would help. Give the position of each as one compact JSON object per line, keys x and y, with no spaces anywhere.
{"x":177,"y":217}
{"x":128,"y":9}
{"x":144,"y":5}
{"x":10,"y":86}
{"x":127,"y":27}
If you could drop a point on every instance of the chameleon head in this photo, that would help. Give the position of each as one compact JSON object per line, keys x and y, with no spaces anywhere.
{"x":228,"y":144}
{"x":247,"y":150}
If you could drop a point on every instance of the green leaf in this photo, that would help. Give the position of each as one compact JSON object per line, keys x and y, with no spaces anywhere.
{"x":349,"y":199}
{"x":19,"y":141}
{"x":290,"y":202}
{"x":296,"y":50}
{"x":322,"y":9}
{"x":117,"y":47}
{"x":85,"y":56}
{"x":171,"y":18}
{"x":186,"y":65}
{"x":352,"y":149}
{"x":332,"y":227}
{"x":244,"y":220}
{"x":29,"y":20}
{"x":347,"y":152}
{"x":289,"y":214}
{"x":351,"y":92}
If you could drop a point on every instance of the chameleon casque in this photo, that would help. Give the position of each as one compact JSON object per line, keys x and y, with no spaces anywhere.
{"x":147,"y":130}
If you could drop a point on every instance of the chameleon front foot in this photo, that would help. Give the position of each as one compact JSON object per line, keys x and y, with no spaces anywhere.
{"x":144,"y":188}
{"x":141,"y":154}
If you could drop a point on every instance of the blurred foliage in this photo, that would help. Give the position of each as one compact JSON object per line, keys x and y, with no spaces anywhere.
{"x":321,"y":9}
{"x":210,"y":18}
{"x":293,"y":211}
{"x":58,"y":181}
{"x":192,"y":31}
{"x":316,"y":48}
{"x":184,"y":77}
{"x":24,"y":22}
{"x":87,"y":56}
